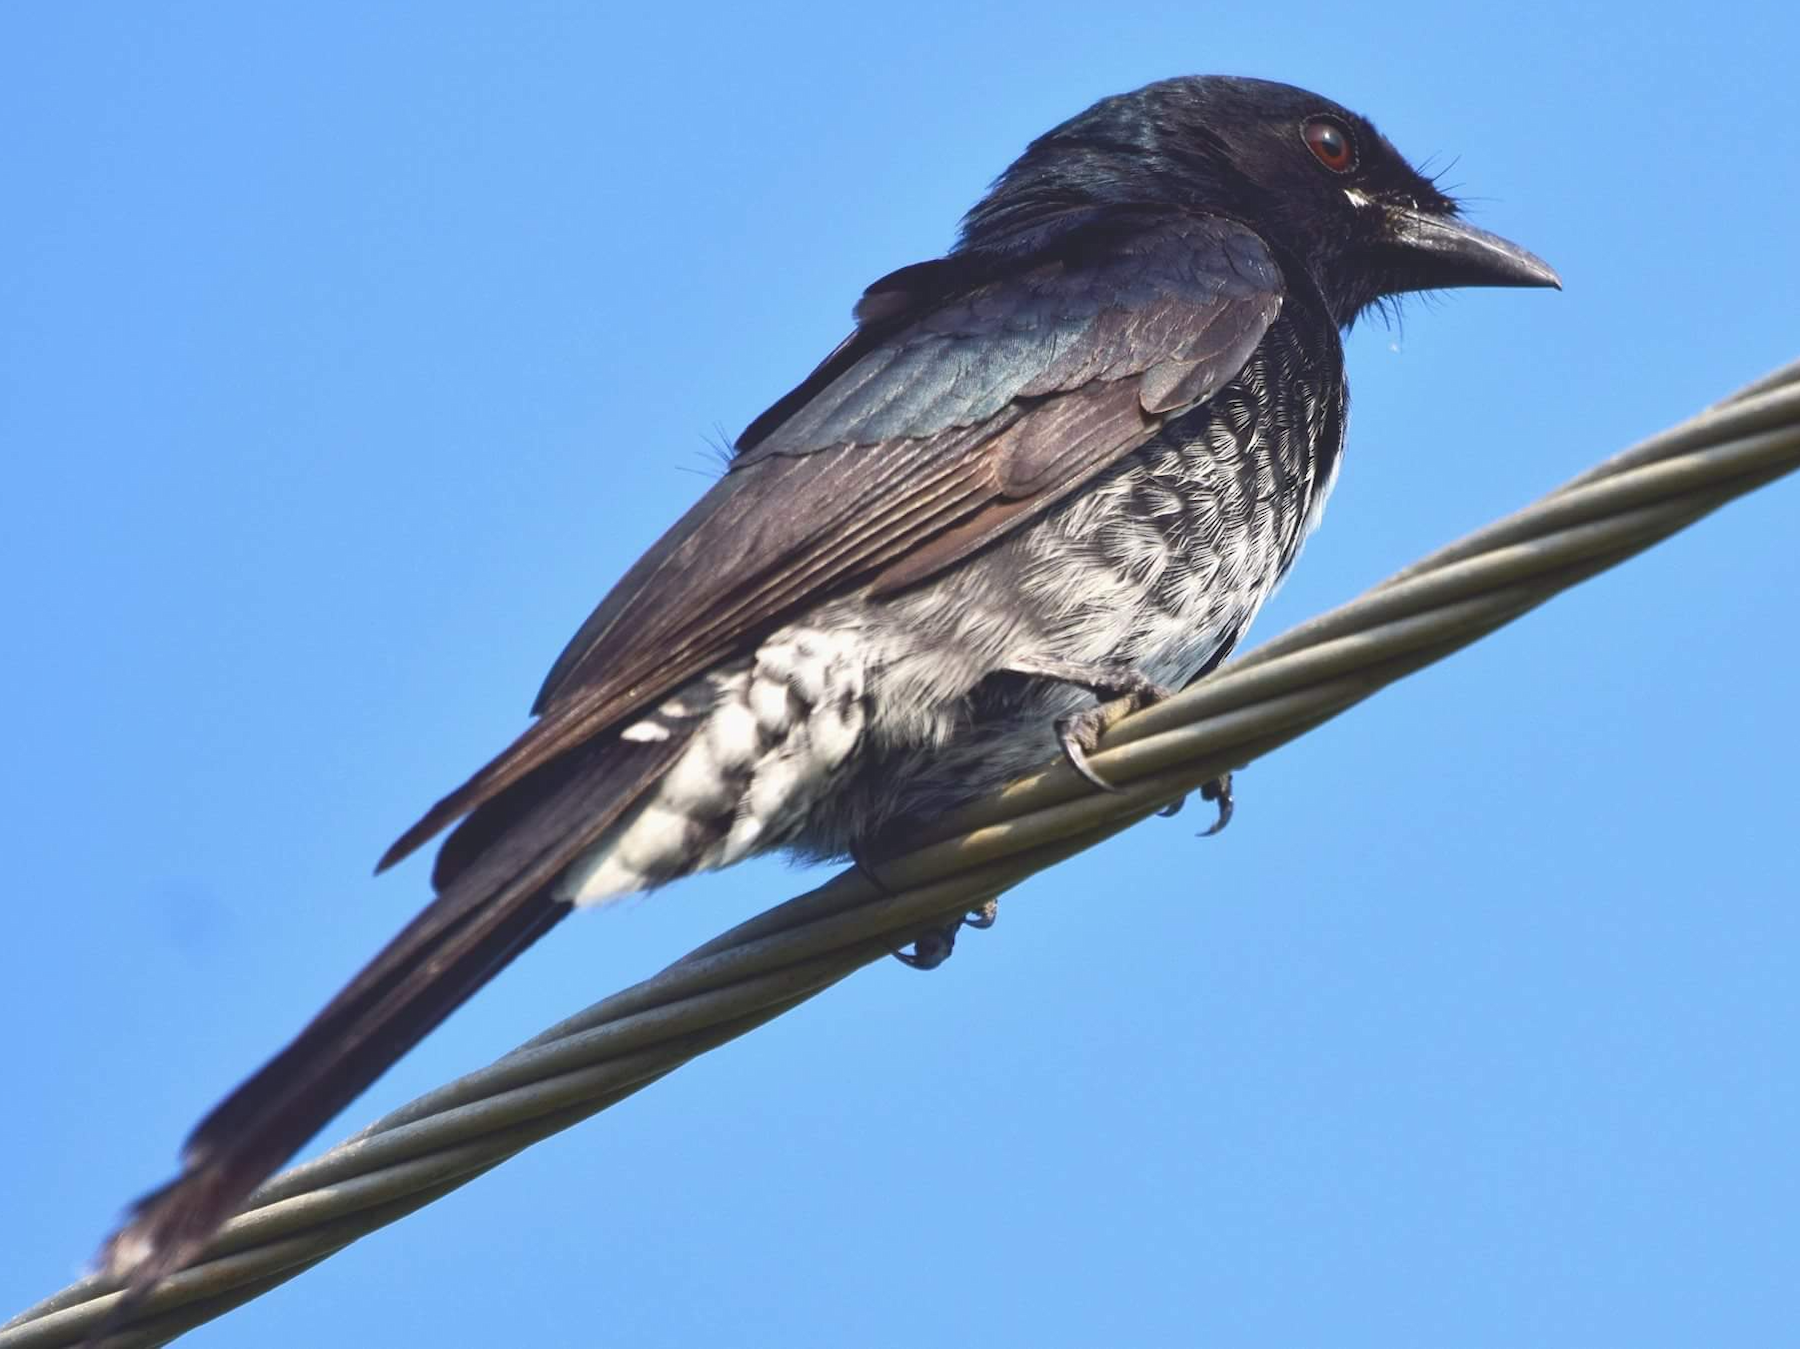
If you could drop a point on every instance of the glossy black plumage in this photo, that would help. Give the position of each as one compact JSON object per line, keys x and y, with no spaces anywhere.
{"x":940,"y":415}
{"x":1089,"y":440}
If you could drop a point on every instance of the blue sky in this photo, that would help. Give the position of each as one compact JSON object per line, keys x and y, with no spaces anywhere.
{"x":351,"y":352}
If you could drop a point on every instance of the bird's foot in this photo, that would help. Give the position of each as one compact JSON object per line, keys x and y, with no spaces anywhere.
{"x":933,"y":948}
{"x":1219,"y":790}
{"x":1121,"y":691}
{"x":982,"y":916}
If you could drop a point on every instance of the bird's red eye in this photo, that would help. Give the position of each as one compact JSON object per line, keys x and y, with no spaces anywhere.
{"x":1330,"y":142}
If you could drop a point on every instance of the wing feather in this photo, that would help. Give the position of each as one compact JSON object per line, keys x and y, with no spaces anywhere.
{"x":970,"y":400}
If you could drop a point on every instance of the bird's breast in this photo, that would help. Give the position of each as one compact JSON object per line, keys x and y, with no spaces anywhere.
{"x":1164,"y":562}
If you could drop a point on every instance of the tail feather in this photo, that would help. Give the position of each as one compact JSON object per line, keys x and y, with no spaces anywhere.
{"x":493,"y":903}
{"x":325,"y":1067}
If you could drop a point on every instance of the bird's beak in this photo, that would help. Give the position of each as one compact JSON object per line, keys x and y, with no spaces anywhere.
{"x":1439,"y":252}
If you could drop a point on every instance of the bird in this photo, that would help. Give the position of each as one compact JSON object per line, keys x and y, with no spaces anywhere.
{"x":1057,"y":469}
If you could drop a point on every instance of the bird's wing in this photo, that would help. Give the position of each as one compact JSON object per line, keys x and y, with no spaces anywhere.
{"x":961,"y":407}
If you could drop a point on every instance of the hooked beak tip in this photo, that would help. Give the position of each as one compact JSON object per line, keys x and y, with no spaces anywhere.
{"x":1451,"y":252}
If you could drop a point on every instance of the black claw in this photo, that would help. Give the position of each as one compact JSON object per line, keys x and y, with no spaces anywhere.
{"x":1071,"y":733}
{"x":930,"y":949}
{"x":1219,"y":789}
{"x":1173,"y":808}
{"x":1079,"y":732}
{"x":933,"y":948}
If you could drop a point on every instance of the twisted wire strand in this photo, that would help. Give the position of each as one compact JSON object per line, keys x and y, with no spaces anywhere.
{"x":792,"y":952}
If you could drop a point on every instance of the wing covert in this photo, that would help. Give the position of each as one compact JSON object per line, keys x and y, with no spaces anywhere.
{"x":969,"y":400}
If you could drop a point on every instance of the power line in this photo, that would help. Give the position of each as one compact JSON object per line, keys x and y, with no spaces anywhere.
{"x":781,"y":958}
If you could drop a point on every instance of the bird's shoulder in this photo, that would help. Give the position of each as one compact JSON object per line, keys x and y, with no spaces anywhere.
{"x":1102,"y":294}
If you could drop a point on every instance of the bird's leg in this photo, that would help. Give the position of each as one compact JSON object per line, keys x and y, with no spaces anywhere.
{"x":931,"y":948}
{"x":934,"y":947}
{"x":867,"y":871}
{"x":1079,"y":732}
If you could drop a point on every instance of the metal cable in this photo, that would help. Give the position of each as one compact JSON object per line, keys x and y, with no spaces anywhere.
{"x":779,"y":959}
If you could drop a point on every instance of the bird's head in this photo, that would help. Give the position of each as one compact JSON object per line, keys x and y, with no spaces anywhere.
{"x":1312,"y":177}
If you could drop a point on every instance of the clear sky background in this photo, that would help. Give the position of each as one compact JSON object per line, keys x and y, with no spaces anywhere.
{"x":350,"y":352}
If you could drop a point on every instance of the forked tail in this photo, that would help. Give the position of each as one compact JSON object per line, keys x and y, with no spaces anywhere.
{"x":497,"y":894}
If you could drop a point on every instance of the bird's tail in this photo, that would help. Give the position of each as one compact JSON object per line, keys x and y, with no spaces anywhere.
{"x":497,"y":881}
